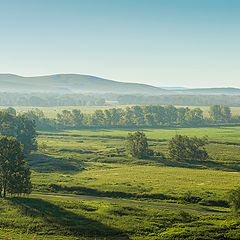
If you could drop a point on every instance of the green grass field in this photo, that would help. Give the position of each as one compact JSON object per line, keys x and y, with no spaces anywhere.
{"x":99,"y":192}
{"x":221,"y":134}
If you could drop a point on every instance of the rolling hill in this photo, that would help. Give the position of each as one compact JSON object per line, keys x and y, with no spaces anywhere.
{"x":212,"y":91}
{"x":77,"y":83}
{"x":73,"y":83}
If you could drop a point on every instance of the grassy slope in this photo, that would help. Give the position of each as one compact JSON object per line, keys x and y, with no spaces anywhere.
{"x":55,"y":218}
{"x":72,"y":83}
{"x":221,"y":134}
{"x":94,"y":162}
{"x":105,"y":170}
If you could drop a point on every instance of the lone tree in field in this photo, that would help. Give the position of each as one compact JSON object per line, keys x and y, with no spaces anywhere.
{"x":234,"y":200}
{"x":187,"y":148}
{"x":137,"y":145}
{"x":14,"y":174}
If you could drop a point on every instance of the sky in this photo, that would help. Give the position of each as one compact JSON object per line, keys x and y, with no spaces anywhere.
{"x":189,"y":43}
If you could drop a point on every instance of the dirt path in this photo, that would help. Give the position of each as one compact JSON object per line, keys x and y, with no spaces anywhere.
{"x":200,"y":209}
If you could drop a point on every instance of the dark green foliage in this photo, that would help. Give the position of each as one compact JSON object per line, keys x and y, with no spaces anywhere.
{"x":137,"y":145}
{"x":187,"y":148}
{"x":234,"y":200}
{"x":70,"y":119}
{"x":194,"y":117}
{"x":20,"y":127}
{"x":220,"y":113}
{"x":14,"y":175}
{"x":188,"y":197}
{"x":185,"y":216}
{"x":129,"y":117}
{"x":11,"y":111}
{"x":181,"y":100}
{"x":38,"y":118}
{"x":50,"y":99}
{"x":136,"y":116}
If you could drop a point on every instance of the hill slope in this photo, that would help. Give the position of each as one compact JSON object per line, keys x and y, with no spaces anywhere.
{"x":212,"y":91}
{"x":77,"y":83}
{"x":73,"y":83}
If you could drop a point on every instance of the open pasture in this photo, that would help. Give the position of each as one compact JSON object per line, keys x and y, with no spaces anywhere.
{"x":96,"y":161}
{"x":220,"y":134}
{"x":97,"y":191}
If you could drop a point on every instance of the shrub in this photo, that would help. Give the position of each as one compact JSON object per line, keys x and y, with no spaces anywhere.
{"x":234,"y":200}
{"x":187,"y":148}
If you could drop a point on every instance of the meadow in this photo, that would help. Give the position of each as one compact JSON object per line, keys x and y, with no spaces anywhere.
{"x":86,"y":186}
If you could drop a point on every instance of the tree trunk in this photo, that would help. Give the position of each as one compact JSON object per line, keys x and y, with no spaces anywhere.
{"x":4,"y":189}
{"x":4,"y":192}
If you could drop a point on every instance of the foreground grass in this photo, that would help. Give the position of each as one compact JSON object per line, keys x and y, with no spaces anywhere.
{"x":56,"y":218}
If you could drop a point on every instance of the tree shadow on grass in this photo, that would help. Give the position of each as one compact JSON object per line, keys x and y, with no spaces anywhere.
{"x":65,"y":222}
{"x":79,"y":190}
{"x":46,"y":163}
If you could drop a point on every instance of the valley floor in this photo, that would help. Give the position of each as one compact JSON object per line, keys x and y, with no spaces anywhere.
{"x":87,"y":187}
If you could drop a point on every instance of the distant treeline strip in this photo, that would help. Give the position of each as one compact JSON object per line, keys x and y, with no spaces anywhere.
{"x":182,"y":100}
{"x":132,"y":117}
{"x":90,"y":99}
{"x":49,"y":99}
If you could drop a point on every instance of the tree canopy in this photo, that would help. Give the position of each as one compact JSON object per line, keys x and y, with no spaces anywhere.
{"x":137,"y":145}
{"x":14,"y":173}
{"x":234,"y":199}
{"x":20,"y":127}
{"x":187,"y":148}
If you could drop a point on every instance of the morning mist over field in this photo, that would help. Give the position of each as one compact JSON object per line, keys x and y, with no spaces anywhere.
{"x":119,"y":119}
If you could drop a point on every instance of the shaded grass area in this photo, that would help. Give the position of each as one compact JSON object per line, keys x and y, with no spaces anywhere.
{"x":47,"y":163}
{"x":112,"y":194}
{"x":65,"y":222}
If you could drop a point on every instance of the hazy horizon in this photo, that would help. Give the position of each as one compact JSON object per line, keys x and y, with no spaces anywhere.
{"x":154,"y":85}
{"x":192,"y":44}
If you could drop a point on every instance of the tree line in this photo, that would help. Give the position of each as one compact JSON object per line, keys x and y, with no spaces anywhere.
{"x":181,"y":99}
{"x":135,"y":116}
{"x":90,"y":99}
{"x":49,"y":100}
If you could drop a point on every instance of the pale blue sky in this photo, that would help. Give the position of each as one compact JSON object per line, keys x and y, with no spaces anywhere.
{"x":194,"y":43}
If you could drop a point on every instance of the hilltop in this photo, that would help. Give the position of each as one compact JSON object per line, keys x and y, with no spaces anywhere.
{"x":73,"y":83}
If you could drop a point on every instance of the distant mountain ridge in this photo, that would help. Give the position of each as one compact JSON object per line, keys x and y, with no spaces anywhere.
{"x":207,"y":91}
{"x":73,"y":83}
{"x":77,"y":83}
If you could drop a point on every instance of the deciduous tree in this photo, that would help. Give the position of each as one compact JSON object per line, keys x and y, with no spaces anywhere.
{"x":187,"y":148}
{"x":137,"y":145}
{"x":14,"y":173}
